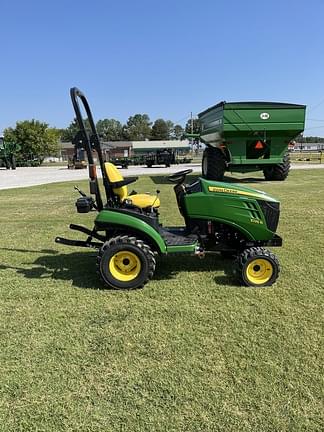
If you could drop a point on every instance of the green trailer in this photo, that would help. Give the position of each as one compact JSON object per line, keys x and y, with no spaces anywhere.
{"x":8,"y":153}
{"x":249,"y":136}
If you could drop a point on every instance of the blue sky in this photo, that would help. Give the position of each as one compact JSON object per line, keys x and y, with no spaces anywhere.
{"x":164,"y":58}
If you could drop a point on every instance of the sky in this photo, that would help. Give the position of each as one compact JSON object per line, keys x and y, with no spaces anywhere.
{"x":164,"y":58}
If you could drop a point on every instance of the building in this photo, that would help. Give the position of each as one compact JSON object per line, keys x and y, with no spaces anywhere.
{"x":118,"y":149}
{"x":308,"y":146}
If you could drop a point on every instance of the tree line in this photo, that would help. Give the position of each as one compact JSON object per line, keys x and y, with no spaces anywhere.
{"x":37,"y":140}
{"x":309,"y":139}
{"x":137,"y":128}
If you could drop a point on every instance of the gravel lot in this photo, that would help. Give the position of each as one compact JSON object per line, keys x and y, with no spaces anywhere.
{"x":24,"y":177}
{"x":32,"y":176}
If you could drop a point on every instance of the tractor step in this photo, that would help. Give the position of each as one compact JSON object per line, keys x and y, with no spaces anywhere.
{"x":177,"y":237}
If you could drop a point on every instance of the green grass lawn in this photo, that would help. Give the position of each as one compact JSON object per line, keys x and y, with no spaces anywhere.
{"x":192,"y":351}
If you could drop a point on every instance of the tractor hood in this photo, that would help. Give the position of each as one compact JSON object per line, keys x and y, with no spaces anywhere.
{"x":213,"y":187}
{"x":253,"y":212}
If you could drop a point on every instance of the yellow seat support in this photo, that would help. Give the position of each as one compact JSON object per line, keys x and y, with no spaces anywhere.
{"x":139,"y":200}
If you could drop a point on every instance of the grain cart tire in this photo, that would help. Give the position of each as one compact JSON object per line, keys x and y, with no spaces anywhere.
{"x":257,"y":267}
{"x":213,"y":164}
{"x":278,"y":172}
{"x":125,"y":263}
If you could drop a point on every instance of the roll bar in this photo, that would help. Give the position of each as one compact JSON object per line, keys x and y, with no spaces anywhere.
{"x":90,"y":143}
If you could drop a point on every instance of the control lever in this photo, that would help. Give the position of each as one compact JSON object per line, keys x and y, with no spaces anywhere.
{"x":157,"y":196}
{"x":80,"y":191}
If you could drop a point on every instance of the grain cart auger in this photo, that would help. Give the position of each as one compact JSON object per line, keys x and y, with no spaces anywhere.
{"x":220,"y":218}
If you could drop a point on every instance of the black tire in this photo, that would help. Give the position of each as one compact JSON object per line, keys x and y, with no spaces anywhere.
{"x":13,"y":162}
{"x":278,"y":172}
{"x":7,"y":163}
{"x":257,"y":267}
{"x":213,"y":164}
{"x":125,"y":262}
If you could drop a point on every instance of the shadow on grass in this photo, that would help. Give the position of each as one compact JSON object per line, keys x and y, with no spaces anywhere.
{"x":48,"y":251}
{"x":170,"y":266}
{"x":80,"y":268}
{"x":77,"y":267}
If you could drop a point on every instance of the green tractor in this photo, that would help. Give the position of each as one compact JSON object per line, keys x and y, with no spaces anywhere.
{"x":8,"y":152}
{"x":249,"y":136}
{"x":219,"y":218}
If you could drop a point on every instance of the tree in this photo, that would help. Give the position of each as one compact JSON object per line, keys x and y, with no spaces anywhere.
{"x":69,"y":133}
{"x":195,"y":128}
{"x":137,"y":128}
{"x":35,"y":138}
{"x":160,"y":130}
{"x":177,"y":132}
{"x":110,"y":129}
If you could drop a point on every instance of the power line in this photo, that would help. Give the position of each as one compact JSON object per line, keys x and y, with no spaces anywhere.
{"x":316,"y":106}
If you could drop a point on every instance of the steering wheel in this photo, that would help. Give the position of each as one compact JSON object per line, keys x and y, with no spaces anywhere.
{"x":179,"y":176}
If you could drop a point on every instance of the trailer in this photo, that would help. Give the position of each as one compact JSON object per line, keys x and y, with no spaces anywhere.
{"x":249,"y":136}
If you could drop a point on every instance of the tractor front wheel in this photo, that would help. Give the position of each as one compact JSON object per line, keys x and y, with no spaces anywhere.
{"x":257,"y":267}
{"x":213,"y":164}
{"x":125,"y":263}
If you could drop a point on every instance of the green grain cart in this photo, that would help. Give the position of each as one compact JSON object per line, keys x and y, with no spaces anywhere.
{"x":249,"y":136}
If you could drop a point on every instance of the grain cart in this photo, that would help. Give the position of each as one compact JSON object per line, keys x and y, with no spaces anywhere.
{"x":7,"y":153}
{"x":249,"y":136}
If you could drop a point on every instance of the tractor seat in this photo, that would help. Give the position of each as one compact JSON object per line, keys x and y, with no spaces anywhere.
{"x":139,"y":200}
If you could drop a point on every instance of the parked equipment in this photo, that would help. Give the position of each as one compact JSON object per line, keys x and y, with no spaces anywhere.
{"x":78,"y":160}
{"x":122,"y":162}
{"x":8,"y":152}
{"x":219,"y":218}
{"x":249,"y":136}
{"x":160,"y":157}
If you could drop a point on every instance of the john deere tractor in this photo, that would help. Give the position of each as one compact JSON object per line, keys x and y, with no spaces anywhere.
{"x":219,"y":218}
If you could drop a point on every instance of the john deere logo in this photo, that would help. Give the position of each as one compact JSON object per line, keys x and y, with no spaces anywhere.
{"x":264,"y":116}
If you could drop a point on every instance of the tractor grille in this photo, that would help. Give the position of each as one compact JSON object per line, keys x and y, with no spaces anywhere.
{"x":271,"y":211}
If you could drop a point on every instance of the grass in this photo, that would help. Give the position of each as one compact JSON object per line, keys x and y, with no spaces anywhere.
{"x":192,"y":351}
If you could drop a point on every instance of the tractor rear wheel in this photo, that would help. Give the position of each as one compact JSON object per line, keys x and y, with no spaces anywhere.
{"x":213,"y":164}
{"x":278,"y":172}
{"x":257,"y":267}
{"x":125,"y":263}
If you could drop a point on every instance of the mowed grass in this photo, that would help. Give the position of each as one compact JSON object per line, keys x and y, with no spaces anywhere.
{"x":192,"y":351}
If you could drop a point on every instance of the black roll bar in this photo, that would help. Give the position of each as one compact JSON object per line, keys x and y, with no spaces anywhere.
{"x":90,"y":142}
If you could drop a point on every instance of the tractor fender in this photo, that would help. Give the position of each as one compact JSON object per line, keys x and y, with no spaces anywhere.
{"x":108,"y":219}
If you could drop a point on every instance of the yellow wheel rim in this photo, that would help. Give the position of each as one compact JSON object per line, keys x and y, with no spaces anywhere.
{"x":124,"y":266}
{"x":259,"y":271}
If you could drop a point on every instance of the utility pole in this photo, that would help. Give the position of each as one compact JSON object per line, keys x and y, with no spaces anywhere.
{"x":191,"y":139}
